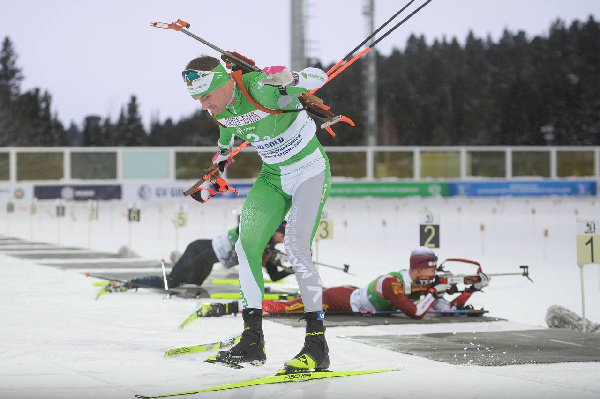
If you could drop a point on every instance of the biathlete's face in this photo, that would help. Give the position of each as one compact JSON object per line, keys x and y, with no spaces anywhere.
{"x":217,"y":100}
{"x":425,"y":276}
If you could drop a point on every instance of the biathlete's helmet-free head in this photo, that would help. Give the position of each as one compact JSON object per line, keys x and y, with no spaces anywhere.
{"x":200,"y":83}
{"x":423,"y":258}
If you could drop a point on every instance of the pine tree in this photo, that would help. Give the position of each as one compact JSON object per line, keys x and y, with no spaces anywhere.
{"x":74,"y":136}
{"x":129,"y":127}
{"x":29,"y":114}
{"x":159,"y":133}
{"x":109,"y":133}
{"x":512,"y":91}
{"x":10,"y":74}
{"x":10,"y":87}
{"x":26,"y":119}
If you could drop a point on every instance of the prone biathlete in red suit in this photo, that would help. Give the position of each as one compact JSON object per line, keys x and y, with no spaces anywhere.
{"x":401,"y":290}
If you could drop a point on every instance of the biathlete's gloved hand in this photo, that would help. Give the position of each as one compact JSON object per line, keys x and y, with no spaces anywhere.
{"x":484,"y":280}
{"x":288,"y":270}
{"x":221,"y":159}
{"x":279,"y":76}
{"x":438,"y":289}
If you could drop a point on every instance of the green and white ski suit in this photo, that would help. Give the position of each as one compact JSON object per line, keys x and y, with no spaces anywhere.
{"x":294,"y":178}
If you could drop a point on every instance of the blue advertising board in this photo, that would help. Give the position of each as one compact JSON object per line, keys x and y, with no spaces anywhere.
{"x":524,"y":188}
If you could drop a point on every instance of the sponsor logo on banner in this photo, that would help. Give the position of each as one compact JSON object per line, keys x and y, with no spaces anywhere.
{"x":145,"y":192}
{"x":20,"y":192}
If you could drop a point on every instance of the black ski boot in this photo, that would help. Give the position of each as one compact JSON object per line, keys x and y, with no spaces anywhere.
{"x":315,"y":353}
{"x":251,"y":348}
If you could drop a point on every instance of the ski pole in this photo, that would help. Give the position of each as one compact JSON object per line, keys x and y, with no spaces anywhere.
{"x":347,"y":57}
{"x":344,"y":269}
{"x":164,"y":271}
{"x":282,"y":256}
{"x":345,"y":62}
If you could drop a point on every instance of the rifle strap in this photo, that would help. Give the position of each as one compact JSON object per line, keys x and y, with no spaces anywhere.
{"x":237,"y":76}
{"x":319,"y":109}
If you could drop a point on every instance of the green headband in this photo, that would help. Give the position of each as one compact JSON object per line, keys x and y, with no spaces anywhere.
{"x":200,"y":83}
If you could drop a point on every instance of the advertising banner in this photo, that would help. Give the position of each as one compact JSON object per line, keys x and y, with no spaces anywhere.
{"x":170,"y":192}
{"x":78,"y":192}
{"x":524,"y":188}
{"x":376,"y":189}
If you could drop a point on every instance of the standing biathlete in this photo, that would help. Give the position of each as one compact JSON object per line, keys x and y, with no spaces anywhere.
{"x":263,"y":109}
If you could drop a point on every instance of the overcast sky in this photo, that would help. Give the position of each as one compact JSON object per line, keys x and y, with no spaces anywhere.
{"x":93,"y":55}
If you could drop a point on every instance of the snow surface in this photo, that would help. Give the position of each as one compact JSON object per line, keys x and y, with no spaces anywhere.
{"x":57,"y":341}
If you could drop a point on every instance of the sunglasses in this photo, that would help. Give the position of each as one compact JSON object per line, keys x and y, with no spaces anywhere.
{"x":189,"y":75}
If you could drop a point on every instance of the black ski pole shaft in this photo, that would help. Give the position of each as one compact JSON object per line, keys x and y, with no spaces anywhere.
{"x":376,"y":31}
{"x":409,"y":16}
{"x":343,"y":64}
{"x":344,"y":269}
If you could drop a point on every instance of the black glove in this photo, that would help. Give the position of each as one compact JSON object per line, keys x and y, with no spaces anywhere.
{"x":221,"y":159}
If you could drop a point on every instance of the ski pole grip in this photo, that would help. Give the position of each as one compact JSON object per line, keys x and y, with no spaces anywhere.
{"x":161,"y":25}
{"x":180,"y":24}
{"x":177,"y":25}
